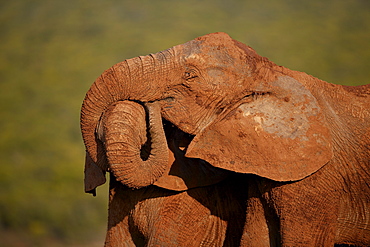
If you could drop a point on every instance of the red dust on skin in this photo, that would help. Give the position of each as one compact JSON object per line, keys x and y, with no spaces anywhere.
{"x":245,"y":152}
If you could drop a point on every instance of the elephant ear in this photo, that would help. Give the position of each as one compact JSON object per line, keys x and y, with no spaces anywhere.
{"x":94,"y":175}
{"x":280,"y":135}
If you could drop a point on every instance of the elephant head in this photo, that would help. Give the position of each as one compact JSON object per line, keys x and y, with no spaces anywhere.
{"x":244,"y":114}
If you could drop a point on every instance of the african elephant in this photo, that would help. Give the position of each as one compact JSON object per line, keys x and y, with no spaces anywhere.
{"x":208,"y":143}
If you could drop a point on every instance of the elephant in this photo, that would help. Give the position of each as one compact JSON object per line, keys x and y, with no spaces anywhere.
{"x":210,"y":144}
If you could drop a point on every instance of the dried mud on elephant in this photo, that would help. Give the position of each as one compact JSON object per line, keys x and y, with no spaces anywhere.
{"x":209,"y":144}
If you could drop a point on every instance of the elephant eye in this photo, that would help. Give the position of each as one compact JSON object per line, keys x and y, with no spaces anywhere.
{"x":190,"y":75}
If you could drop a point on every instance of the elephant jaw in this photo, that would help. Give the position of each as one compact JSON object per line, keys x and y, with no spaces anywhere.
{"x":185,"y":176}
{"x":185,"y":173}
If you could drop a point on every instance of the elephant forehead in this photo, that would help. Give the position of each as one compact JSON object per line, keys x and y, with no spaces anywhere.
{"x":211,"y":52}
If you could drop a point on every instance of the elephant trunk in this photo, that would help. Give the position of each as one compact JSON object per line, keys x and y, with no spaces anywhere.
{"x":124,"y":133}
{"x":132,"y":80}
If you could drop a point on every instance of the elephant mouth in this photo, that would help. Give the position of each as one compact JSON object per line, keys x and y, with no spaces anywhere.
{"x":179,"y":139}
{"x":183,"y":172}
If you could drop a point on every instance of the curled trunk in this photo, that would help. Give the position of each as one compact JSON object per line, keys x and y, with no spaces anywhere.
{"x":123,"y":131}
{"x":135,"y":79}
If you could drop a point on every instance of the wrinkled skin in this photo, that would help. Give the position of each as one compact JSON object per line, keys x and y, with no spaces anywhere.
{"x":210,"y":144}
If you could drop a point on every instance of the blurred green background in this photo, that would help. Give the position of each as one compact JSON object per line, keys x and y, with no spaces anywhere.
{"x":51,"y":52}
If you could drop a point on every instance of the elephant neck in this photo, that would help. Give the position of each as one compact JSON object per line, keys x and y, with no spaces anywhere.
{"x":348,"y":113}
{"x":346,"y":109}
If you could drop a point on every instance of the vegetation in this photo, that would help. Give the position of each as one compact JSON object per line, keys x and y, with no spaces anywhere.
{"x":51,"y":52}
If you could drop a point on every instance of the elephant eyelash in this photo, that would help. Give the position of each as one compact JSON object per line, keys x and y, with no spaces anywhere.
{"x":254,"y":95}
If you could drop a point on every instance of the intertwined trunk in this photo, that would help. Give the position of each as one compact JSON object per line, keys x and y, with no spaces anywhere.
{"x":123,"y":131}
{"x":111,"y":102}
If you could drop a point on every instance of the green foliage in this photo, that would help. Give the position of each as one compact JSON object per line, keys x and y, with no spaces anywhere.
{"x":51,"y":52}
